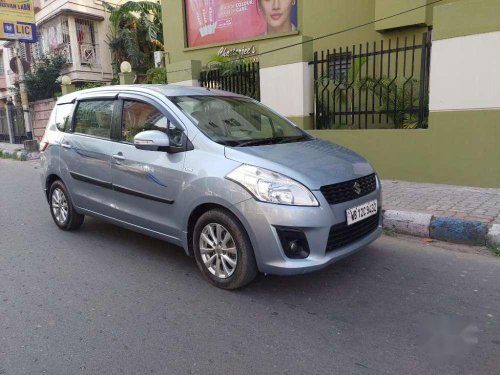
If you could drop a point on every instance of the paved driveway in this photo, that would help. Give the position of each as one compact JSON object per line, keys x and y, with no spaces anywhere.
{"x":105,"y":300}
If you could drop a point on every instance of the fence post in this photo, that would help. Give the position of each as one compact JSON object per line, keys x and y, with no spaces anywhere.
{"x":184,"y":73}
{"x":315,"y":105}
{"x":10,"y":121}
{"x":423,"y":77}
{"x":127,"y":78}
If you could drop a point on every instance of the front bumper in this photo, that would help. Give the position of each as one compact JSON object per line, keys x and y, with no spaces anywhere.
{"x":261,"y":220}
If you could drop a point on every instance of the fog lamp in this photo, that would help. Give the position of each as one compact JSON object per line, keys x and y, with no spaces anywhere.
{"x":294,"y":242}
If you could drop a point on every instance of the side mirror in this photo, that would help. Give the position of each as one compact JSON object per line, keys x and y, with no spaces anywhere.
{"x":152,"y":140}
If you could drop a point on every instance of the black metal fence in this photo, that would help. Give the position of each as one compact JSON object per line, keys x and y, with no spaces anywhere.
{"x":242,"y":79}
{"x":376,"y":85}
{"x":16,"y":123}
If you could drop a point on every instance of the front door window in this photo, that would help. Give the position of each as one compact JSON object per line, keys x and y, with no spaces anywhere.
{"x":139,"y":116}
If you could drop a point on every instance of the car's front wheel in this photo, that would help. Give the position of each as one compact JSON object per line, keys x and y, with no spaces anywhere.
{"x":61,"y":208}
{"x":223,"y":251}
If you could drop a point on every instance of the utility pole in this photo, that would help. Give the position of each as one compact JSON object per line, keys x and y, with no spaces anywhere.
{"x":10,"y":123}
{"x":24,"y":93}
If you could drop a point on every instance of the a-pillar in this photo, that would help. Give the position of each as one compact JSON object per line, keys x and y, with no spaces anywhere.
{"x":184,"y":73}
{"x":286,"y":79}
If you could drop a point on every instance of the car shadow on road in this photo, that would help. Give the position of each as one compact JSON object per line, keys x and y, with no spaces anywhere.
{"x":175,"y":259}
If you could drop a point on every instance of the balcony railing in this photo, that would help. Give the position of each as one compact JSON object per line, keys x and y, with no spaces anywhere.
{"x":65,"y":49}
{"x":89,"y":54}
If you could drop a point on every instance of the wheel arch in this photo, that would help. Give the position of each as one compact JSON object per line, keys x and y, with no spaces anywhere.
{"x":200,"y":210}
{"x":49,"y":181}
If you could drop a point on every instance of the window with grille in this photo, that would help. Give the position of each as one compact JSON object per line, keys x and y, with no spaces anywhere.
{"x":86,"y":38}
{"x":339,"y":65}
{"x":53,"y":38}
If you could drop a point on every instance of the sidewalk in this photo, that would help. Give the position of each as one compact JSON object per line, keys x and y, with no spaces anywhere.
{"x":11,"y":147}
{"x":16,"y":151}
{"x":471,"y":203}
{"x":446,"y":212}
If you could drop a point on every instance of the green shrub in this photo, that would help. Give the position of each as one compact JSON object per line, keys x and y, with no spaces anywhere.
{"x":156,"y":76}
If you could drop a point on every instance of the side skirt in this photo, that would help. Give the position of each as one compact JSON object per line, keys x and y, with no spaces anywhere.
{"x":136,"y":228}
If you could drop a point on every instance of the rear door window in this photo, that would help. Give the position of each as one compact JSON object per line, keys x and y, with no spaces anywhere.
{"x":94,"y":118}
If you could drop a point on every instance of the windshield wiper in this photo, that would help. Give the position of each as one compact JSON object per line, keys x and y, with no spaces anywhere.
{"x":291,"y":139}
{"x":256,"y":142}
{"x":272,"y":141}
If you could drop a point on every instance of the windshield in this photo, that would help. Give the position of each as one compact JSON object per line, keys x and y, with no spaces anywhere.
{"x":238,"y":122}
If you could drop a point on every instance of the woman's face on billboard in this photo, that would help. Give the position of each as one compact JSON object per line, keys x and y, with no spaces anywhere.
{"x":277,"y":14}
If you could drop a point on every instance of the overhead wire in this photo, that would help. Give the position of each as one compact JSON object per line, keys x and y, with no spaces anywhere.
{"x":327,"y":35}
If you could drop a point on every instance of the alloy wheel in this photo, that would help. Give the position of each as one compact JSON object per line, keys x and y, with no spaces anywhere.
{"x":60,"y":207}
{"x":218,"y":250}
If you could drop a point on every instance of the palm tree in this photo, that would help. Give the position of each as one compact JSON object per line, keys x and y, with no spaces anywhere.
{"x":135,"y":33}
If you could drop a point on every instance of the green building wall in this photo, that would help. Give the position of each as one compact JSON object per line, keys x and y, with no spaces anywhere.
{"x":459,"y":147}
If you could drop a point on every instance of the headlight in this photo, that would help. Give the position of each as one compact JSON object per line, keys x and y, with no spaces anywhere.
{"x":272,"y":187}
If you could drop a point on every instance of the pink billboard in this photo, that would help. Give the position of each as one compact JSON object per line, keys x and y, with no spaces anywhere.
{"x":219,"y":21}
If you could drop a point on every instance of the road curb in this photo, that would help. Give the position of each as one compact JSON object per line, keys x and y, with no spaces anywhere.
{"x":464,"y":231}
{"x":407,"y":222}
{"x":493,"y":237}
{"x":458,"y":230}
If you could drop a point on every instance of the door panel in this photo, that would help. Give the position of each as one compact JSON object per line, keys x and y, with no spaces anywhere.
{"x":86,"y":156}
{"x":146,"y":183}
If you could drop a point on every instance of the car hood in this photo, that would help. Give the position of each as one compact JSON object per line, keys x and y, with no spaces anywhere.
{"x":314,"y":163}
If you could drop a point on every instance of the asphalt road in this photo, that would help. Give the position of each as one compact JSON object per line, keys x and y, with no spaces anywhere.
{"x":104,"y":300}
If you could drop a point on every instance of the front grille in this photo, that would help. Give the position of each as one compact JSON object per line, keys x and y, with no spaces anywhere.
{"x":346,"y":191}
{"x":342,"y":234}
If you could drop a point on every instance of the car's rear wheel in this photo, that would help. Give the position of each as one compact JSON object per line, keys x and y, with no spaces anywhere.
{"x":61,"y":208}
{"x":223,"y":251}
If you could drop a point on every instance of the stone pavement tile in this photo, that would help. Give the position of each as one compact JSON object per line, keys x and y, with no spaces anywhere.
{"x":461,"y":202}
{"x":480,"y":218}
{"x":483,"y":217}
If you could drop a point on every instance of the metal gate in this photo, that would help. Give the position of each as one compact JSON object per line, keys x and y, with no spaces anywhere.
{"x":16,"y":122}
{"x":242,"y":79}
{"x":373,"y":85}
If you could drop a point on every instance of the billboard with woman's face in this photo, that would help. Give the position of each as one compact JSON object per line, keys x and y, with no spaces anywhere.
{"x":220,"y":21}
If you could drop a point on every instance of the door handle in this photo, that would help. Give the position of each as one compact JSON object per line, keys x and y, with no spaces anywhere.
{"x":66,"y":145}
{"x":118,"y":156}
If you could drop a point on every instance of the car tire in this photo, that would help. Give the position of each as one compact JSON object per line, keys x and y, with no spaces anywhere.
{"x":229,"y":264}
{"x":61,"y":208}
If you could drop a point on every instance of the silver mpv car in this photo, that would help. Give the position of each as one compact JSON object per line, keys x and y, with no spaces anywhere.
{"x":239,"y":187}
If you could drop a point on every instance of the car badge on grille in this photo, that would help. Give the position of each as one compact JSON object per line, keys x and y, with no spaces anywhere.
{"x":357,"y":188}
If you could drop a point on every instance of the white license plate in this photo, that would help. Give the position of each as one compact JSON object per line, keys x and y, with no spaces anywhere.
{"x":361,"y":212}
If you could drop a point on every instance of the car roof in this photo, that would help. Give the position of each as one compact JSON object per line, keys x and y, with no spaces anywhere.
{"x":166,"y":90}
